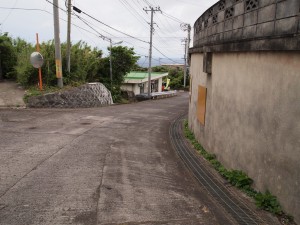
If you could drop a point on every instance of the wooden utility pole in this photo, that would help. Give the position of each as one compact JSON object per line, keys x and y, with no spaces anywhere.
{"x":59,"y":74}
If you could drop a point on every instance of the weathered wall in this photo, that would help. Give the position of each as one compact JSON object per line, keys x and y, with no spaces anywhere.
{"x":160,"y":84}
{"x":253,"y":118}
{"x":248,"y":25}
{"x":132,"y":87}
{"x":127,"y":87}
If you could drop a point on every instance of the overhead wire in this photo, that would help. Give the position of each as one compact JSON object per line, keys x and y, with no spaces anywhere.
{"x":97,"y":33}
{"x":163,"y":54}
{"x":26,"y":9}
{"x":108,"y":25}
{"x":100,"y":35}
{"x":127,"y":34}
{"x":141,"y":19}
{"x":9,"y":12}
{"x":91,"y":24}
{"x":45,"y":11}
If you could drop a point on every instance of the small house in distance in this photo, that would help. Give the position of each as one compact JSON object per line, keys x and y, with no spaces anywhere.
{"x":138,"y":82}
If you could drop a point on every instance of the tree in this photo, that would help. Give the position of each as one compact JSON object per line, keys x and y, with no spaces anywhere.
{"x":87,"y":64}
{"x":8,"y":56}
{"x":123,"y":61}
{"x":84,"y":63}
{"x":160,"y":69}
{"x":176,"y":78}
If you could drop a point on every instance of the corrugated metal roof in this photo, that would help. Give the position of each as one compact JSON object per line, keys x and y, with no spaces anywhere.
{"x":142,"y":75}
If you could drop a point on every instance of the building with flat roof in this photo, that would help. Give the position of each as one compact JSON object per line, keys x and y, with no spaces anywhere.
{"x":137,"y":82}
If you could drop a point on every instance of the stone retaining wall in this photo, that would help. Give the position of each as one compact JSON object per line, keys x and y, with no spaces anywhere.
{"x":88,"y":95}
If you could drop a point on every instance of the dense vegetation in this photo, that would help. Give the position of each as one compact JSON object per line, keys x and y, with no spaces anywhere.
{"x":87,"y":64}
{"x":7,"y":56}
{"x":175,"y":75}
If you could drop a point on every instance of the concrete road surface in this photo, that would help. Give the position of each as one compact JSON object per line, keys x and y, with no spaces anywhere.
{"x":11,"y":94}
{"x":111,"y":165}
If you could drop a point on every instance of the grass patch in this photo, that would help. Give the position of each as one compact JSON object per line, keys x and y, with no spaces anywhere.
{"x":122,"y":101}
{"x":239,"y":179}
{"x":35,"y":91}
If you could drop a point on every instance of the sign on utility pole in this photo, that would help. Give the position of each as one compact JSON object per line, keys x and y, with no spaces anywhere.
{"x":59,"y":74}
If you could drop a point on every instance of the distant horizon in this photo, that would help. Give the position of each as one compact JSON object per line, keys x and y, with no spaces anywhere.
{"x":144,"y":62}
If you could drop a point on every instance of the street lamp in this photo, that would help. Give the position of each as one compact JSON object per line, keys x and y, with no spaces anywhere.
{"x":110,"y":59}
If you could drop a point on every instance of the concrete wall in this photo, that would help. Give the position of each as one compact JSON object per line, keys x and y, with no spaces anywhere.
{"x":253,"y":118}
{"x":127,"y":87}
{"x":136,"y":89}
{"x":160,"y":84}
{"x":236,"y":25}
{"x":131,"y":87}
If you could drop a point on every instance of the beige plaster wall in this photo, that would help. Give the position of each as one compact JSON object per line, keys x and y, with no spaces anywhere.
{"x":127,"y":87}
{"x":253,"y":118}
{"x":160,"y":84}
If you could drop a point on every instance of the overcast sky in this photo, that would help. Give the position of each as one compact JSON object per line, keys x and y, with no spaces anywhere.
{"x":125,"y":15}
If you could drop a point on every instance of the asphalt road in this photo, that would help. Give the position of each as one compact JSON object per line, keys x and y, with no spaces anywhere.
{"x":11,"y":94}
{"x":111,"y":165}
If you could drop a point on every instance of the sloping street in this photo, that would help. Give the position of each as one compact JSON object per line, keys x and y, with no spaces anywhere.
{"x":112,"y":165}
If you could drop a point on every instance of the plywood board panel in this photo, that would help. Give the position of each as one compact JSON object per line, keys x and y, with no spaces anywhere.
{"x":201,"y":104}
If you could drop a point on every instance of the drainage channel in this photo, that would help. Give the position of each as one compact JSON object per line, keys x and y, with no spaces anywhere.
{"x":235,"y":207}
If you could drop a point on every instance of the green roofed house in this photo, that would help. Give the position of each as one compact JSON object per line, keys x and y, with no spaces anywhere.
{"x":138,"y":82}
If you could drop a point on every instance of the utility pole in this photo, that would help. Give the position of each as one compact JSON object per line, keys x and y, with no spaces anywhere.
{"x":152,"y":10}
{"x":110,"y":64}
{"x":59,"y":74}
{"x":185,"y":61}
{"x":110,"y":61}
{"x":68,"y":53}
{"x":186,"y":27}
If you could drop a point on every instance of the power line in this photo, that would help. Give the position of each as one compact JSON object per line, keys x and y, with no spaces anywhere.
{"x":9,"y":12}
{"x":164,"y":55}
{"x":42,"y":10}
{"x":80,"y":11}
{"x":92,"y":26}
{"x":100,"y":35}
{"x":26,"y":9}
{"x":172,"y":17}
{"x":56,"y":6}
{"x":97,"y":34}
{"x":130,"y":7}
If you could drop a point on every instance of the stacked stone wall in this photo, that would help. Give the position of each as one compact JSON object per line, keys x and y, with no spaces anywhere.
{"x":88,"y":95}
